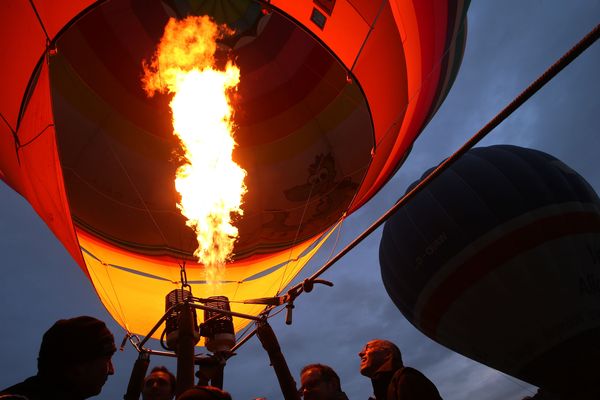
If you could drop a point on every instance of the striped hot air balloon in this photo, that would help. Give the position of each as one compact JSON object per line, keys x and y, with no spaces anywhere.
{"x":498,"y":259}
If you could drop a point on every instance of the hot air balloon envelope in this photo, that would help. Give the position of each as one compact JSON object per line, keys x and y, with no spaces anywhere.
{"x":331,"y":97}
{"x":497,"y":259}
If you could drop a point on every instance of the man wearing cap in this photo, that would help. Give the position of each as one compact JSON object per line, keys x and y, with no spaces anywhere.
{"x":381,"y":361}
{"x":73,"y":363}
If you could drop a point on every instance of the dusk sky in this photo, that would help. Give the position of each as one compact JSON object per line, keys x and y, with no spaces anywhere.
{"x":509,"y":44}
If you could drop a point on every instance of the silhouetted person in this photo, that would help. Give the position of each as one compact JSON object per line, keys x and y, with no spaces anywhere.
{"x":159,"y":385}
{"x":73,"y":363}
{"x":381,"y":361}
{"x":320,"y":382}
{"x":204,"y":393}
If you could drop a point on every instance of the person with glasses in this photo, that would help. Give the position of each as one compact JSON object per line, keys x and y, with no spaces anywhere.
{"x":320,"y":382}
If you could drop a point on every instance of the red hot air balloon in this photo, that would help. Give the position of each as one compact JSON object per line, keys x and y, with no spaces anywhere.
{"x":332,"y":94}
{"x":497,"y":259}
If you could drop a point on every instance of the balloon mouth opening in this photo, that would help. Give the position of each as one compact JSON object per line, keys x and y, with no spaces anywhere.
{"x":296,"y":109}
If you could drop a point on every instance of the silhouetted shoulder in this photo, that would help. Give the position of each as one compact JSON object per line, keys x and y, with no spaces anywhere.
{"x":409,"y":383}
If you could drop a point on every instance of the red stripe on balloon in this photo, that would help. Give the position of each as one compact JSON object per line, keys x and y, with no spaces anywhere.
{"x":496,"y":254}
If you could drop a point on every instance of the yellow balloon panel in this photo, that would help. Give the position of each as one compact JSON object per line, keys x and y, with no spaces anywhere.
{"x":133,"y":288}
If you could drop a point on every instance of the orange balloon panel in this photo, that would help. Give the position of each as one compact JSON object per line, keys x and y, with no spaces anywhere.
{"x":331,"y":97}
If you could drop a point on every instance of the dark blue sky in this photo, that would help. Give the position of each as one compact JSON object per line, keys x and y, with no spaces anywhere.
{"x":509,"y":44}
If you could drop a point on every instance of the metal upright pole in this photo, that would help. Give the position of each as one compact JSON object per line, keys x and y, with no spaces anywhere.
{"x":138,"y":373}
{"x":185,"y":349}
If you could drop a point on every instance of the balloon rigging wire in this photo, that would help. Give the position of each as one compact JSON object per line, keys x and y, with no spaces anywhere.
{"x":550,"y":73}
{"x":338,"y":235}
{"x":12,"y":130}
{"x":290,"y":253}
{"x":37,"y":15}
{"x":33,"y":78}
{"x":93,"y":188}
{"x":122,"y":167}
{"x":137,"y":192}
{"x":371,"y":29}
{"x":305,"y":208}
{"x":118,"y":308}
{"x":115,"y":292}
{"x":282,"y":307}
{"x":36,"y":136}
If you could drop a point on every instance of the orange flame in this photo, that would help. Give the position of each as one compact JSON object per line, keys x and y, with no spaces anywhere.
{"x":211,"y":185}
